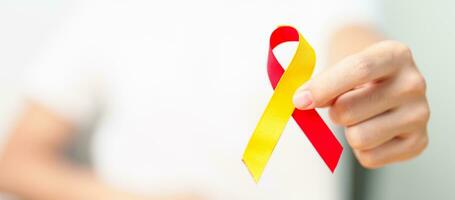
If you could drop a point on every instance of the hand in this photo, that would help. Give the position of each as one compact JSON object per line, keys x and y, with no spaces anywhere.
{"x":114,"y":194}
{"x":378,"y":95}
{"x":167,"y":197}
{"x":182,"y":197}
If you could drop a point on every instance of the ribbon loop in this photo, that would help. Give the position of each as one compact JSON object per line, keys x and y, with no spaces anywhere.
{"x":280,"y":107}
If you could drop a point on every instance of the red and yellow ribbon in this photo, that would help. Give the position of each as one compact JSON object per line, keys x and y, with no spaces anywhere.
{"x":280,"y":107}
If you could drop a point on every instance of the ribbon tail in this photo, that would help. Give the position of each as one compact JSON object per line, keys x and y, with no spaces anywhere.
{"x":268,"y":132}
{"x":320,"y":136}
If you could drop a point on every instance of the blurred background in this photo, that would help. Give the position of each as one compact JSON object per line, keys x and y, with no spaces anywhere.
{"x":426,"y":26}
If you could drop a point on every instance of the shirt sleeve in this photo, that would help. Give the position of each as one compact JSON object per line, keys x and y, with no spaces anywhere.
{"x":64,"y":77}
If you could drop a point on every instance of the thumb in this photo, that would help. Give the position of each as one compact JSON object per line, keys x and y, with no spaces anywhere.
{"x":374,"y":63}
{"x":323,"y":88}
{"x":303,"y":98}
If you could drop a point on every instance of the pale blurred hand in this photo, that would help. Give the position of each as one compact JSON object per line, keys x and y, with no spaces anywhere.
{"x":114,"y":194}
{"x":378,"y":95}
{"x":180,"y":197}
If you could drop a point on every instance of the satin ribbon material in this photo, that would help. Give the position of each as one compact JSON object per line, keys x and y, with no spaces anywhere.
{"x":280,"y":107}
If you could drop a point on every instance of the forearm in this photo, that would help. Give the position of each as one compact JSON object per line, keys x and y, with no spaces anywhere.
{"x":351,"y":39}
{"x":32,"y":166}
{"x":49,"y":179}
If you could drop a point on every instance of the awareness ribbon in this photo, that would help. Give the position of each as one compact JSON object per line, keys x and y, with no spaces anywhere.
{"x":280,"y":107}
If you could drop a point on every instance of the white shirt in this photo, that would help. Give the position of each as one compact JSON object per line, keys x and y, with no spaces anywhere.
{"x":181,"y":86}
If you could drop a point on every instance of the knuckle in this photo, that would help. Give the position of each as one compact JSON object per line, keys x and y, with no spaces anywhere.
{"x":420,"y":116}
{"x":363,"y":68}
{"x":420,"y":83}
{"x":400,"y":50}
{"x":415,"y":85}
{"x":403,"y":50}
{"x":367,"y":159}
{"x":424,"y":142}
{"x":413,"y":119}
{"x":357,"y":138}
{"x":425,"y":113}
{"x":418,"y":144}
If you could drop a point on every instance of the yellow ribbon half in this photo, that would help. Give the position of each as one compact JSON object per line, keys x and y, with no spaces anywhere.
{"x":280,"y":107}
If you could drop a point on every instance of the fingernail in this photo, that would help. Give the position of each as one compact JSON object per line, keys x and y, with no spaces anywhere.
{"x":303,"y":100}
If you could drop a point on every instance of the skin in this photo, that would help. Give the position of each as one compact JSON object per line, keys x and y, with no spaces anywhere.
{"x":375,"y":90}
{"x":33,"y":167}
{"x":382,"y":105}
{"x":33,"y":154}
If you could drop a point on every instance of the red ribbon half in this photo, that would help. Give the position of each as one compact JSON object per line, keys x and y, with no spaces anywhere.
{"x":309,"y":121}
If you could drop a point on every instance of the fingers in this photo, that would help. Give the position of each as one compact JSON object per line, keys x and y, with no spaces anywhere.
{"x":375,"y":63}
{"x":379,"y":96}
{"x":395,"y":150}
{"x":365,"y":102}
{"x":382,"y":128}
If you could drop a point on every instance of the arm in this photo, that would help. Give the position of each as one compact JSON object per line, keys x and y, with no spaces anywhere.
{"x":351,"y":39}
{"x":375,"y":90}
{"x":32,"y":166}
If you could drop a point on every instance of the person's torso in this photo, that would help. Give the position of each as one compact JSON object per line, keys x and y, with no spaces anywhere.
{"x":185,"y":84}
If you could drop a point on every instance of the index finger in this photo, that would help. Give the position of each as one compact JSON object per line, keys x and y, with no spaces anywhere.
{"x":376,"y":62}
